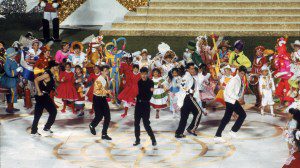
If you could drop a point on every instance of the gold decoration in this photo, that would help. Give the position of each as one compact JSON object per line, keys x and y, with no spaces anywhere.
{"x":131,"y":5}
{"x":68,"y":7}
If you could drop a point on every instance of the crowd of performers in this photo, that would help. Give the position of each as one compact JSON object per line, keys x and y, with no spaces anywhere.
{"x":205,"y":75}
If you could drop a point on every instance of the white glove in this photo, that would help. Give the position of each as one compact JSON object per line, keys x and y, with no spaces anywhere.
{"x":297,"y":135}
{"x":43,"y":4}
{"x":55,"y":5}
{"x":19,"y":69}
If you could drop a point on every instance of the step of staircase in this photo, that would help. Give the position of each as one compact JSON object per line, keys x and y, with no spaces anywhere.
{"x":223,"y":11}
{"x":207,"y":25}
{"x":197,"y":32}
{"x":208,"y":18}
{"x":223,"y":17}
{"x":222,"y":4}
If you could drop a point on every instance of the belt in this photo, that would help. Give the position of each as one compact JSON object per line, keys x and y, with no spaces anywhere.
{"x":143,"y":101}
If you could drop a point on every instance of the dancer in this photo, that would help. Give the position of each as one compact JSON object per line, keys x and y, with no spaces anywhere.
{"x":187,"y":101}
{"x":91,"y":79}
{"x":10,"y":79}
{"x":100,"y":104}
{"x":160,"y":97}
{"x":44,"y":85}
{"x":79,"y":85}
{"x":232,"y":94}
{"x":50,"y":14}
{"x":63,"y":53}
{"x":130,"y":91}
{"x":66,"y":89}
{"x":142,"y":108}
{"x":259,"y":61}
{"x":294,"y":160}
{"x":174,"y":80}
{"x":266,"y":89}
{"x":223,"y":82}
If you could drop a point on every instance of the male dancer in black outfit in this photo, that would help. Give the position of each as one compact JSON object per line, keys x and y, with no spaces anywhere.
{"x":188,"y":103}
{"x":142,"y":107}
{"x":100,"y":104}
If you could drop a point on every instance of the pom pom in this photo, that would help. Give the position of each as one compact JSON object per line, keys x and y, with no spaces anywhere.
{"x":43,"y":4}
{"x":55,"y":5}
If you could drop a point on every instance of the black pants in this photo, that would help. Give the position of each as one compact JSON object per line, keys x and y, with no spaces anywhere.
{"x":43,"y":102}
{"x":142,"y":111}
{"x":189,"y":105}
{"x":101,"y":109}
{"x":230,"y":108}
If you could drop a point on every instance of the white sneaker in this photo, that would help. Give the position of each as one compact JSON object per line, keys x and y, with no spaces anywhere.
{"x":47,"y":132}
{"x":36,"y":135}
{"x":219,"y":140}
{"x":233,"y":134}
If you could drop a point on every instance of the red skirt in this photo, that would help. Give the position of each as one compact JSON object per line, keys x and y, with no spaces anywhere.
{"x":67,"y":91}
{"x":90,"y":94}
{"x":129,"y":94}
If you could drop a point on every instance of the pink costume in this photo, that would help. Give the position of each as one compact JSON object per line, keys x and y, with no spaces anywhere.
{"x":59,"y":56}
{"x":283,"y":70}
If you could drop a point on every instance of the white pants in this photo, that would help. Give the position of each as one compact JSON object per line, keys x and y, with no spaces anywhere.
{"x":50,"y":16}
{"x":267,"y":98}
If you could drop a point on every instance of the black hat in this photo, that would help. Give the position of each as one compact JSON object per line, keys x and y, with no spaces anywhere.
{"x":51,"y":64}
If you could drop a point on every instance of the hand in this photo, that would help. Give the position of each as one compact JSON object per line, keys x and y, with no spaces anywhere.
{"x":19,"y":69}
{"x":55,"y":5}
{"x":40,"y":93}
{"x":63,"y":79}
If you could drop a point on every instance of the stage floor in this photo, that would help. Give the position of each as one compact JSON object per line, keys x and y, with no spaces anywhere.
{"x":260,"y":143}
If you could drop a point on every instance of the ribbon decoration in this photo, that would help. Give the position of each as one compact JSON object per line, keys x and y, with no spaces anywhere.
{"x":217,"y":66}
{"x":113,"y":56}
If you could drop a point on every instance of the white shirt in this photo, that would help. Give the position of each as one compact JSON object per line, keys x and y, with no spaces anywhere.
{"x":232,"y":90}
{"x":77,"y":60}
{"x":266,"y":84}
{"x":187,"y":82}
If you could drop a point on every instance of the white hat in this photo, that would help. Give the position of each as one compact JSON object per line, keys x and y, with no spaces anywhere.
{"x":264,"y":67}
{"x":297,"y":43}
{"x":226,"y":67}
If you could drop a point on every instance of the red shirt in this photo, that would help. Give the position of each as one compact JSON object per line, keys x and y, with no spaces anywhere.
{"x":256,"y":66}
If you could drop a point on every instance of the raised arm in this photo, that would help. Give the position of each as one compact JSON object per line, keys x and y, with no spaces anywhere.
{"x":38,"y":80}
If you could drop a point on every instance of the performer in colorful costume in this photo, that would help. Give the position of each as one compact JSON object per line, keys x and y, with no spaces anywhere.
{"x":10,"y":79}
{"x":50,"y":15}
{"x":94,"y":53}
{"x":283,"y":72}
{"x":259,"y":61}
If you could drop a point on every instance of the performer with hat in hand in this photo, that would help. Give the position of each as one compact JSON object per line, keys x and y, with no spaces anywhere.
{"x":10,"y":79}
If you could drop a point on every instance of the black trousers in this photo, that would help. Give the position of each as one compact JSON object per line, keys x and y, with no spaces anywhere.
{"x":189,"y":105}
{"x":142,"y":111}
{"x":230,"y":108}
{"x":101,"y":109}
{"x":43,"y":102}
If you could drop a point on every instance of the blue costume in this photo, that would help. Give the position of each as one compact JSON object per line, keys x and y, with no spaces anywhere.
{"x":10,"y":79}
